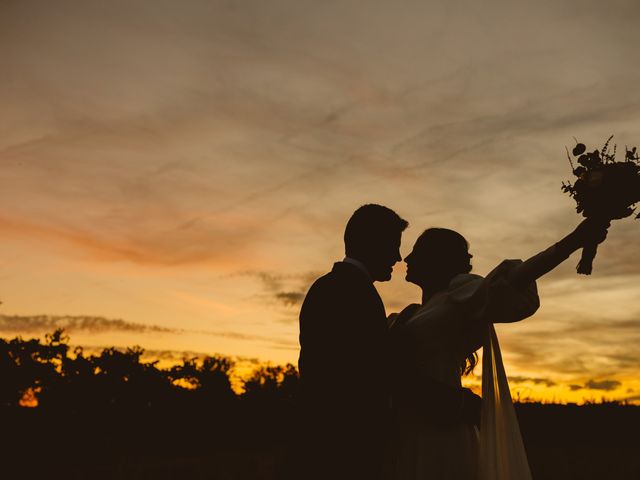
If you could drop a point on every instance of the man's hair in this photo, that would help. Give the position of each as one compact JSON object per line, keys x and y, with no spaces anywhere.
{"x":369,"y":225}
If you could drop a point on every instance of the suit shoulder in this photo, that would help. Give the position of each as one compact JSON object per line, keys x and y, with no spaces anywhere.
{"x":323,"y":285}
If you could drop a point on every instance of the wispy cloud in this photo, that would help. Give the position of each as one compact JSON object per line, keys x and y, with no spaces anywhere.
{"x":290,"y":299}
{"x":287,"y":290}
{"x":606,"y":385}
{"x":583,"y":353}
{"x":166,"y":244}
{"x":41,"y":324}
{"x":90,"y":324}
{"x":537,"y":381}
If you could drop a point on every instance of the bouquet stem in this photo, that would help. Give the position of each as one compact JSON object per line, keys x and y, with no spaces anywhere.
{"x":585,"y":265}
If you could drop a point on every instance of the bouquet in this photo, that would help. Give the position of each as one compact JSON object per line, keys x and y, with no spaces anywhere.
{"x":605,"y":189}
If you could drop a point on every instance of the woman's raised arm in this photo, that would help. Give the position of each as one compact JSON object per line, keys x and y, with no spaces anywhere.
{"x":588,"y":231}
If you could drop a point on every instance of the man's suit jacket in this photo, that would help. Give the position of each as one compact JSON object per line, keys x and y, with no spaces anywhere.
{"x":344,"y":394}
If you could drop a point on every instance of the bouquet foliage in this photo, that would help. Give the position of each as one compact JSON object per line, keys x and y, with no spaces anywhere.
{"x":605,"y":189}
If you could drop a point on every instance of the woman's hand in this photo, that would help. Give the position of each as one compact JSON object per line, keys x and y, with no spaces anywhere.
{"x":591,"y":231}
{"x":589,"y":234}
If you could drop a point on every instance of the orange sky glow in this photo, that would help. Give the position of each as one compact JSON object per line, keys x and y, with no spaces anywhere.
{"x":176,"y":174}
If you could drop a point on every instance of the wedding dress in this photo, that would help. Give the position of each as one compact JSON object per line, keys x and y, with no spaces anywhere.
{"x":460,"y":319}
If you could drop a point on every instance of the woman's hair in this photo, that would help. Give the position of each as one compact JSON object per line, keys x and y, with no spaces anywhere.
{"x":453,"y":250}
{"x":468,"y":364}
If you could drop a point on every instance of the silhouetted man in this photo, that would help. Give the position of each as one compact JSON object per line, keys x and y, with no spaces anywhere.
{"x":344,"y":394}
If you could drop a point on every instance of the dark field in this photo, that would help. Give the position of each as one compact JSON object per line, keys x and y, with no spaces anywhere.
{"x":588,"y":442}
{"x":563,"y":442}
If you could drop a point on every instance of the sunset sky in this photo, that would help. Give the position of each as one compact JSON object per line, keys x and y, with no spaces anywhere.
{"x":178,"y":173}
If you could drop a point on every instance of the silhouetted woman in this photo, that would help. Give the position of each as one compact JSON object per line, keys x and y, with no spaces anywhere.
{"x":435,"y":343}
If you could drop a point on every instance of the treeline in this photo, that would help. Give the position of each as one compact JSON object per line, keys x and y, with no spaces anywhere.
{"x":51,"y":375}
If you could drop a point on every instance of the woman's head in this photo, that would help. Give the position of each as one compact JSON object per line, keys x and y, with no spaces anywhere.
{"x":438,"y":255}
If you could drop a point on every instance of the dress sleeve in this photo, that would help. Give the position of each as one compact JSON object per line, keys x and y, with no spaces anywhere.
{"x":461,"y":313}
{"x":493,"y":299}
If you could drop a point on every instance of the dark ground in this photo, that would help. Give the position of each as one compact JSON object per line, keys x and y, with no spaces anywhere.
{"x":246,"y":441}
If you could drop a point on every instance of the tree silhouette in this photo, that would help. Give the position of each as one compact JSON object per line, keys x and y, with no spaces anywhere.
{"x":272,"y":383}
{"x":115,"y":379}
{"x":29,"y":366}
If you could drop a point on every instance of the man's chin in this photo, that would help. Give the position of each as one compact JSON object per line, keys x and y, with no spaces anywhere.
{"x":384,"y":276}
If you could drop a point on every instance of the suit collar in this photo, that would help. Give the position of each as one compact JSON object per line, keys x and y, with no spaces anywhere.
{"x":352,"y":269}
{"x":360,"y":265}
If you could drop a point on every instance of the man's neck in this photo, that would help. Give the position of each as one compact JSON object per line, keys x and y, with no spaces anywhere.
{"x":359,"y":264}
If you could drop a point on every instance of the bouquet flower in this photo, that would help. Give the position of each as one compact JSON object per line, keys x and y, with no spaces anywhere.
{"x":605,"y":188}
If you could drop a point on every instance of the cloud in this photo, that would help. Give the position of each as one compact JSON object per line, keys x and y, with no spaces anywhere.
{"x":167,"y":244}
{"x":290,"y":299}
{"x":571,"y":345}
{"x":40,"y":324}
{"x":90,"y":324}
{"x":606,"y":385}
{"x":287,"y":290}
{"x":271,"y":340}
{"x":538,"y":381}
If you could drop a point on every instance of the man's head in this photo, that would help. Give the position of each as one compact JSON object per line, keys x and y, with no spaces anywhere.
{"x":373,"y":235}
